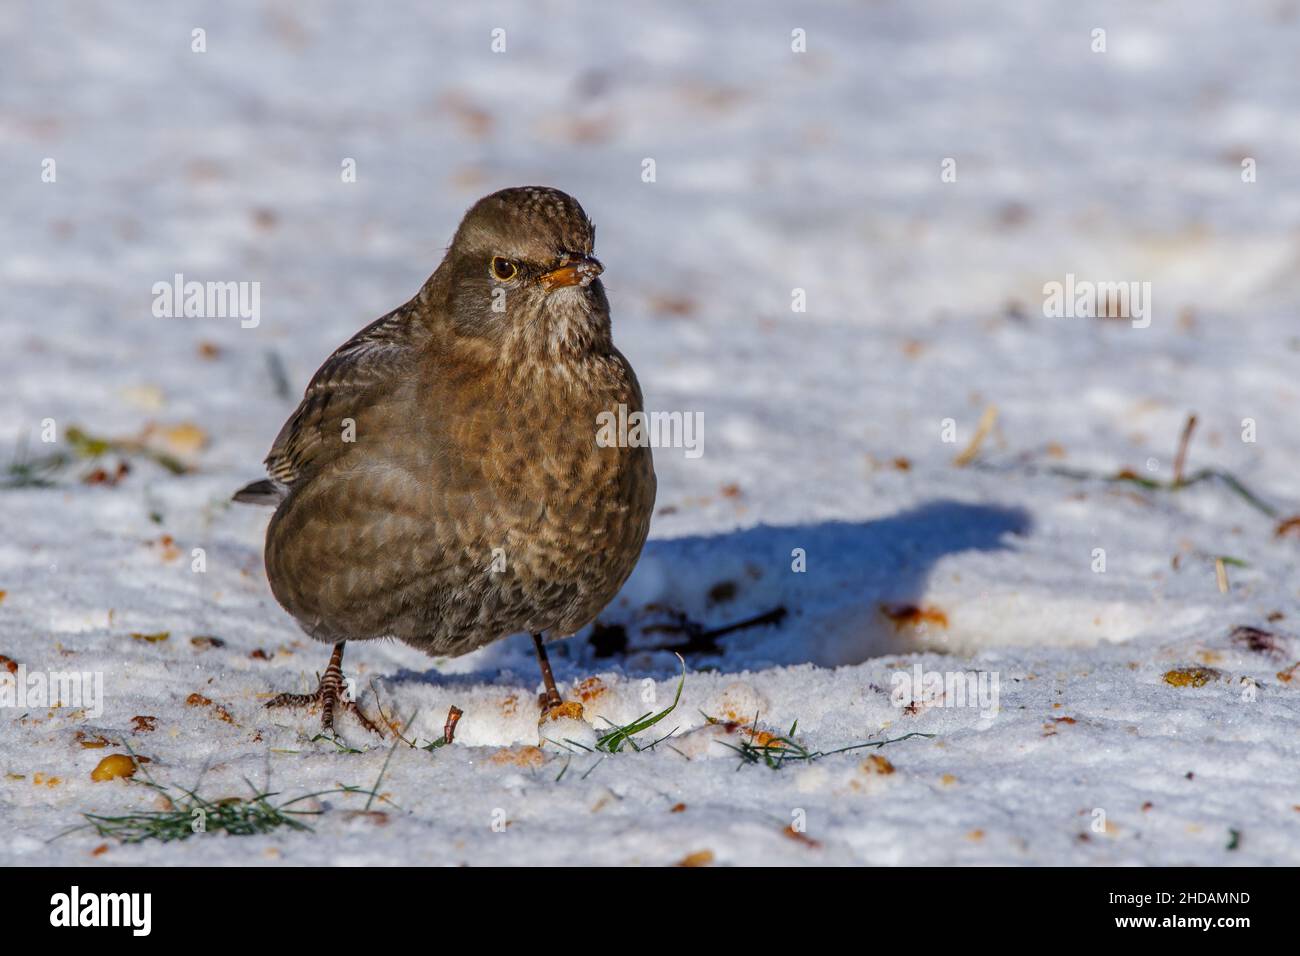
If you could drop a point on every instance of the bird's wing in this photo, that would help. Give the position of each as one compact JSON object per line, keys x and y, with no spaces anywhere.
{"x":370,"y":362}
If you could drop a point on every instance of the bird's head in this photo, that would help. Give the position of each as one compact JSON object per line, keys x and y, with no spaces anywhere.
{"x":521,"y":274}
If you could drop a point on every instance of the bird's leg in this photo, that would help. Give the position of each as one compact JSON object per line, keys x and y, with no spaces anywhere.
{"x":330,"y":695}
{"x":551,"y":698}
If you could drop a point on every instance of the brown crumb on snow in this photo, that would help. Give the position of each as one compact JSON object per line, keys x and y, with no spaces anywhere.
{"x":911,"y":615}
{"x":102,"y":476}
{"x":590,"y":689}
{"x":525,"y":756}
{"x":155,"y":638}
{"x":112,"y":767}
{"x":1191,"y":676}
{"x":166,"y":546}
{"x":1258,"y":641}
{"x":570,"y":709}
{"x":1288,"y":526}
{"x":698,"y":858}
{"x":198,"y":700}
{"x":375,"y":817}
{"x":877,"y":764}
{"x":185,"y":439}
{"x":801,"y":837}
{"x":754,"y":735}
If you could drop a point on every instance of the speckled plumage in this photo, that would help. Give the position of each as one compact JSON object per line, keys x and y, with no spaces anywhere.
{"x":475,"y":430}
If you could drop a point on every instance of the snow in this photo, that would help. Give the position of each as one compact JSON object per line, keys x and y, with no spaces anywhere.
{"x":774,"y":171}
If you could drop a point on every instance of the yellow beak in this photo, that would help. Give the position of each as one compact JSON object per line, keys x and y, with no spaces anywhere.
{"x":576,"y":272}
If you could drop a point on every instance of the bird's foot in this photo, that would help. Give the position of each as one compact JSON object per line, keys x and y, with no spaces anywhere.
{"x":331,"y":701}
{"x":548,"y":700}
{"x":332,"y":694}
{"x":564,"y":727}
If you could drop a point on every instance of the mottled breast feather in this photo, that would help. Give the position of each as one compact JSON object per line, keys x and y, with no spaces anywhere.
{"x":455,"y":462}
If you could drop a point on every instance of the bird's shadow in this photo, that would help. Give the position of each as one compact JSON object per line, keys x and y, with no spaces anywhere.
{"x":829,"y":594}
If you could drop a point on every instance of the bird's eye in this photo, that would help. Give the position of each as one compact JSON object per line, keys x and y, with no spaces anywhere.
{"x":503,"y":269}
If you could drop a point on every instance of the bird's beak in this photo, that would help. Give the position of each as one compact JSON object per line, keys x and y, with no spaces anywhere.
{"x":578,"y":271}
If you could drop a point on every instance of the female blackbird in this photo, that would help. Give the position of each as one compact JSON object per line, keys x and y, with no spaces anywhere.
{"x":441,"y":482}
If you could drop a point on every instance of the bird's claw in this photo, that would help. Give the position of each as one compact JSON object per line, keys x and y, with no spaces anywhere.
{"x":329,"y":694}
{"x":330,"y":703}
{"x":548,"y":701}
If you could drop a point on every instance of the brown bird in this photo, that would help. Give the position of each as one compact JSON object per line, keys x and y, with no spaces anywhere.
{"x":441,"y":482}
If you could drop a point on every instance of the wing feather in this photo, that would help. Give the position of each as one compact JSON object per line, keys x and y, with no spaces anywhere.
{"x":368,"y":364}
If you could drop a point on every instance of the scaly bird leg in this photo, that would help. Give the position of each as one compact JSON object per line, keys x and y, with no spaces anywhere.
{"x":551,"y":698}
{"x":331,"y":694}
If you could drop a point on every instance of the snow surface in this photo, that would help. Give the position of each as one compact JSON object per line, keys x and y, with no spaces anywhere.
{"x":775,"y":171}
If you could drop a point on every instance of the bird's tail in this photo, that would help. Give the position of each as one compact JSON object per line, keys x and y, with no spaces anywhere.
{"x":264,"y":492}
